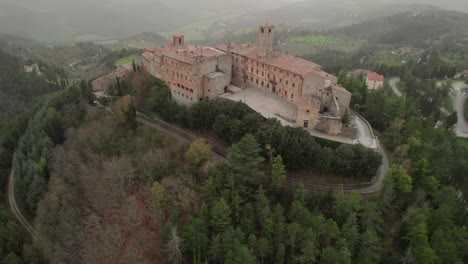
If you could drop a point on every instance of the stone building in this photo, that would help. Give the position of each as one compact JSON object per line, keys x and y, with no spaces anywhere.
{"x":104,"y":83}
{"x":374,"y":81}
{"x":195,"y":73}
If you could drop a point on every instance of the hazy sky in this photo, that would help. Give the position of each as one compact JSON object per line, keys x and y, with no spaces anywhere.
{"x":118,"y":18}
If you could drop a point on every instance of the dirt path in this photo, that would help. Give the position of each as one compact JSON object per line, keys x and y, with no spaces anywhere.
{"x":14,"y":207}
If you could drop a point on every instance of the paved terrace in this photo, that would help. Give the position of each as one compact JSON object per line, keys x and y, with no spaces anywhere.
{"x":270,"y":105}
{"x":267,"y":104}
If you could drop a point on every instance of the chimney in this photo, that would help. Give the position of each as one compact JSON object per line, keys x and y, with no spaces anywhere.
{"x":265,"y":40}
{"x":178,"y":40}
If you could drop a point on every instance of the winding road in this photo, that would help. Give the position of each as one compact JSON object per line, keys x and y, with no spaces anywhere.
{"x":393,"y":83}
{"x":458,"y":100}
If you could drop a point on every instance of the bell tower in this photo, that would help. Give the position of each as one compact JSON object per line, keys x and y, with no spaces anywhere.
{"x":178,"y":40}
{"x":265,"y":40}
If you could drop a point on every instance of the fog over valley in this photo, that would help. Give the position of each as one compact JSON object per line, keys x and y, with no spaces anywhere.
{"x":66,"y":20}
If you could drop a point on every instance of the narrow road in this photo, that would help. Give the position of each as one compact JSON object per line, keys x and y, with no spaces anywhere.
{"x":222,"y":153}
{"x":14,"y":207}
{"x":458,"y":100}
{"x":393,"y":83}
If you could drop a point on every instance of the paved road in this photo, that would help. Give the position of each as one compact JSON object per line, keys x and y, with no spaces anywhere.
{"x":458,"y":100}
{"x":365,"y":135}
{"x":393,"y":83}
{"x":14,"y":207}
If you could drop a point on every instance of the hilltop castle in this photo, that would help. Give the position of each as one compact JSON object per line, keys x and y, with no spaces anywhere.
{"x":196,"y":73}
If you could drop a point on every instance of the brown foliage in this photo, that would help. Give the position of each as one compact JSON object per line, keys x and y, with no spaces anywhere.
{"x":120,"y":107}
{"x":98,"y":207}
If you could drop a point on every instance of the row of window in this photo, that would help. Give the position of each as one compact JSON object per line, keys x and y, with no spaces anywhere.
{"x":280,"y":81}
{"x":183,"y":87}
{"x":270,"y":68}
{"x":180,"y":75}
{"x":183,"y":95}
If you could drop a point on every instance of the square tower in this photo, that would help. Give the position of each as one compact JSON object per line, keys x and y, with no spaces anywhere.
{"x":265,"y":40}
{"x":178,"y":40}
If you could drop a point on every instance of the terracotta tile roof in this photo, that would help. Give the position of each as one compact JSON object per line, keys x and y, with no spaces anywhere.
{"x":280,"y":60}
{"x":373,"y":76}
{"x":148,"y":55}
{"x":185,"y":53}
{"x":337,"y":87}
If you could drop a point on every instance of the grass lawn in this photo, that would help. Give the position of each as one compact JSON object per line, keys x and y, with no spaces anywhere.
{"x":317,"y":40}
{"x":127,"y":60}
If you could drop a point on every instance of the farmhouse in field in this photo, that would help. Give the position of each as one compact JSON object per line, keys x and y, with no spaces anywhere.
{"x":375,"y":81}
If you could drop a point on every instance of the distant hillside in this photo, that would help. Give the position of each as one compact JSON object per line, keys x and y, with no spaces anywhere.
{"x":18,"y":88}
{"x":331,"y":13}
{"x":421,"y":29}
{"x":57,"y":21}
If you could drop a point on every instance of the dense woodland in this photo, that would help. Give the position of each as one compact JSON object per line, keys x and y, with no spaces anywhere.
{"x":27,"y":140}
{"x":18,"y":88}
{"x":144,"y":197}
{"x":103,"y":189}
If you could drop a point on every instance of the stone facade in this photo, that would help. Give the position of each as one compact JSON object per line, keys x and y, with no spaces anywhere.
{"x":195,"y":73}
{"x":104,"y":83}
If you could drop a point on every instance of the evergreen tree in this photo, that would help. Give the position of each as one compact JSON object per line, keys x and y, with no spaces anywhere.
{"x":278,"y":174}
{"x":244,"y":160}
{"x":220,"y":216}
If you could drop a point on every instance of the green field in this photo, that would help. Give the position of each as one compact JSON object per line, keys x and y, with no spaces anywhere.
{"x":89,"y":37}
{"x":243,"y":31}
{"x":127,"y":60}
{"x":203,"y":28}
{"x":345,"y":22}
{"x":316,"y":40}
{"x":193,"y":36}
{"x":69,"y":35}
{"x":106,"y":42}
{"x":53,"y":37}
{"x":386,"y":57}
{"x":310,"y":20}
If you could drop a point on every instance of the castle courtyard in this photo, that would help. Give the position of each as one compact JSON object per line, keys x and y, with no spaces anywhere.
{"x":266,"y":103}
